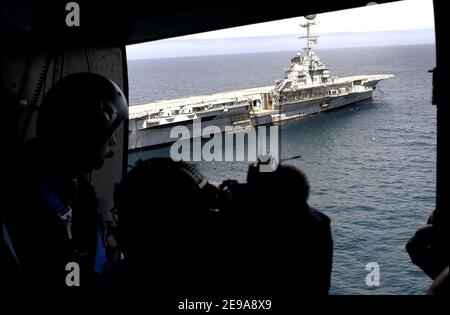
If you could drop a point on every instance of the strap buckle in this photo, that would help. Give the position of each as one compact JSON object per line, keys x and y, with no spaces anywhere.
{"x":67,"y":219}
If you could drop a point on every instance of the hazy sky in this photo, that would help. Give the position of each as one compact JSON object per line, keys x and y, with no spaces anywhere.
{"x":407,"y":16}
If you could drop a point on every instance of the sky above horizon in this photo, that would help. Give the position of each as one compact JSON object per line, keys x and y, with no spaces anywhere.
{"x":398,"y":23}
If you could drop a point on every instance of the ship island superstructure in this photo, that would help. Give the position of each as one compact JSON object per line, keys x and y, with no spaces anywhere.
{"x":307,"y":88}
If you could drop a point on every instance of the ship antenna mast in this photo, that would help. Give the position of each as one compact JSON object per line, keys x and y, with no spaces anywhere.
{"x":310,"y":39}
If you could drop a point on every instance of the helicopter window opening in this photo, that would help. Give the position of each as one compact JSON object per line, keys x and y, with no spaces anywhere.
{"x":371,"y":164}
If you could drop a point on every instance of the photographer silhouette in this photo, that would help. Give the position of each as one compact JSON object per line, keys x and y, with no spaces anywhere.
{"x":185,"y":234}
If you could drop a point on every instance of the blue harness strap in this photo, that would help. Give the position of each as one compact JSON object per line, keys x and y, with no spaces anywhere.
{"x":58,"y":206}
{"x":100,"y":253}
{"x":9,"y":244}
{"x":64,"y":212}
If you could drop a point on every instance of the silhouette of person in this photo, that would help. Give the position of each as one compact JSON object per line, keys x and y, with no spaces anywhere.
{"x":54,"y":218}
{"x":165,"y":228}
{"x":297,"y":235}
{"x":428,"y":249}
{"x":178,"y":232}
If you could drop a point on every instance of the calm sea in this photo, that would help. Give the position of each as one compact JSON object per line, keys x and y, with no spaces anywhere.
{"x":372,"y":165}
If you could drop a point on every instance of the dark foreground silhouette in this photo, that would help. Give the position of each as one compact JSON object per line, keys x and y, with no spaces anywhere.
{"x":181,"y":235}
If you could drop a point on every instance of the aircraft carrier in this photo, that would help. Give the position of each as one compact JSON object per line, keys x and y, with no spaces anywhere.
{"x":307,"y":88}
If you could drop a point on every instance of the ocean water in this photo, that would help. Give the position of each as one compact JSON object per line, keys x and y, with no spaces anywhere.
{"x":371,"y":165}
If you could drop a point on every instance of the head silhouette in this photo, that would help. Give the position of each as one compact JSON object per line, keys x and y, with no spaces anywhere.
{"x":77,"y":119}
{"x":163,"y":198}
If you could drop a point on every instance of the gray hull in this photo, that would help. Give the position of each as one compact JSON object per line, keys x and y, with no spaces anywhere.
{"x":310,"y":107}
{"x":160,"y":135}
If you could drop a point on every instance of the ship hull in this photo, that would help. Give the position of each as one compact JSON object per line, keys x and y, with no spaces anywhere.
{"x":160,"y":135}
{"x":310,"y":107}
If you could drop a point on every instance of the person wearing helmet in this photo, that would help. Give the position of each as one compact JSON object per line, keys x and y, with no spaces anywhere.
{"x":78,"y":117}
{"x":54,"y":222}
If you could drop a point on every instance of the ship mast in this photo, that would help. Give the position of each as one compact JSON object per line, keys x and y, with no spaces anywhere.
{"x":310,"y":39}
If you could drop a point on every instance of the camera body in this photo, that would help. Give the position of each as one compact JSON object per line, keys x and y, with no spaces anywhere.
{"x":234,"y":197}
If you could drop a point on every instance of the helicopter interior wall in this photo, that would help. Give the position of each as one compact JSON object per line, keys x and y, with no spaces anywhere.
{"x":440,"y":99}
{"x":28,"y":76}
